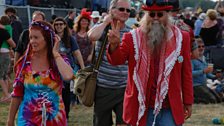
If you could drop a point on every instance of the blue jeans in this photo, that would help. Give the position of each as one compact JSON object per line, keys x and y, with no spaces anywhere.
{"x":164,"y":118}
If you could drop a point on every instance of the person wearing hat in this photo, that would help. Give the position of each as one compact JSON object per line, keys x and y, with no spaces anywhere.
{"x":111,"y":80}
{"x":95,"y":17}
{"x":159,"y":89}
{"x":175,"y":20}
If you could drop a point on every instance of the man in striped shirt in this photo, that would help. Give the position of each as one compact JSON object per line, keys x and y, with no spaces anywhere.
{"x":111,"y":80}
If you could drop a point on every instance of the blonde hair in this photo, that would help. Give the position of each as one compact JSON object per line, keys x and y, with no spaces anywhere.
{"x":199,"y":40}
{"x":113,"y":3}
{"x":212,"y":14}
{"x":39,"y":13}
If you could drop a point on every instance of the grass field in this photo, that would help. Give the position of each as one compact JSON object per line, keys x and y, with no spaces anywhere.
{"x":82,"y":116}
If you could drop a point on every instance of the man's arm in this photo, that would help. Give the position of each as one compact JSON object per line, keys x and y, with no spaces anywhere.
{"x":95,"y":33}
{"x":11,"y":43}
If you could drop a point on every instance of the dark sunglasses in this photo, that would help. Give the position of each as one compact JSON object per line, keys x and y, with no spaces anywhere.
{"x":122,"y":9}
{"x":56,"y":24}
{"x":201,"y":46}
{"x":153,"y":14}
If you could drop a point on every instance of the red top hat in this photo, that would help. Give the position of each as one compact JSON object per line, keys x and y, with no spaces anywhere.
{"x":157,"y":5}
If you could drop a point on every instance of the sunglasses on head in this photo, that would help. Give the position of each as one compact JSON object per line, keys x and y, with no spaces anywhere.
{"x":56,"y":24}
{"x":153,"y":14}
{"x":122,"y":9}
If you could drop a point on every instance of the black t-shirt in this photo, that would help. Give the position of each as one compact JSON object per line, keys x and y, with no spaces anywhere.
{"x":23,"y":42}
{"x":209,"y":35}
{"x":70,"y":23}
{"x":4,"y":36}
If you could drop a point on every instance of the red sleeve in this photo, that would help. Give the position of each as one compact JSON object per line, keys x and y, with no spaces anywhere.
{"x":187,"y":84}
{"x":121,"y":54}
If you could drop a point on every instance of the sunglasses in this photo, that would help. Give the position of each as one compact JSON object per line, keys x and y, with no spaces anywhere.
{"x":153,"y":14}
{"x":201,"y":46}
{"x":122,"y":9}
{"x":56,"y":24}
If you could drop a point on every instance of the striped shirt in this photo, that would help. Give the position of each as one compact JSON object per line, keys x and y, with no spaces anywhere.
{"x":111,"y":76}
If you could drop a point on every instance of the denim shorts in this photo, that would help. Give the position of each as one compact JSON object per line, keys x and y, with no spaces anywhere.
{"x":4,"y":64}
{"x":164,"y":118}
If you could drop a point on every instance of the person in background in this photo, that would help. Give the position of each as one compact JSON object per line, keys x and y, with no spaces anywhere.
{"x":24,"y":37}
{"x":15,"y":23}
{"x":201,"y":71}
{"x":104,"y":14}
{"x":210,"y":28}
{"x":70,"y":19}
{"x":132,"y":18}
{"x":81,"y":28}
{"x":111,"y":80}
{"x":5,"y":21}
{"x":37,"y":93}
{"x":139,"y":17}
{"x":6,"y":45}
{"x":188,"y":20}
{"x":52,"y":18}
{"x":220,"y":20}
{"x":209,"y":33}
{"x":198,"y":23}
{"x":70,"y":48}
{"x":95,"y":17}
{"x":159,"y":90}
{"x":175,"y":20}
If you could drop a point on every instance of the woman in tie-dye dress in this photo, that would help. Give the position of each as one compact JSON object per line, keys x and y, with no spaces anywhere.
{"x":37,"y":94}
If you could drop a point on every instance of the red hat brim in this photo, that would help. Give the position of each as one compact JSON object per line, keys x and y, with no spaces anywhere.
{"x":155,"y":7}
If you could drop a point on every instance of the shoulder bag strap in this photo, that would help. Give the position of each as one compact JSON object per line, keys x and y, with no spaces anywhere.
{"x":103,"y":46}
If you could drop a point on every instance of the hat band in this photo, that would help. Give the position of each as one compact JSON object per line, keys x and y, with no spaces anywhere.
{"x":155,"y":7}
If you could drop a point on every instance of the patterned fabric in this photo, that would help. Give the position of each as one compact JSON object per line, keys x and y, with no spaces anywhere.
{"x":168,"y":56}
{"x":111,"y":76}
{"x":42,"y":103}
{"x":85,"y":47}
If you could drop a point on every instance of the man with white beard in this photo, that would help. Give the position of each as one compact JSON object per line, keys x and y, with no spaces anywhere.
{"x":159,"y":89}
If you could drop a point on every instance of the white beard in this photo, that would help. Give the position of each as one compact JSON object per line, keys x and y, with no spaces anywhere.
{"x":156,"y":35}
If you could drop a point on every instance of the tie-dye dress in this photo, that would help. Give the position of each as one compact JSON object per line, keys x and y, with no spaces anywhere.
{"x":42,"y":103}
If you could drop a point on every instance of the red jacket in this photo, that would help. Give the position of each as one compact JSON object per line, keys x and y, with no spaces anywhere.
{"x":180,"y":85}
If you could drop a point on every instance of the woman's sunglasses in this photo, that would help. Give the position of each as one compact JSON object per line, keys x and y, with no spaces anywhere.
{"x":122,"y":9}
{"x":56,"y":24}
{"x":153,"y":14}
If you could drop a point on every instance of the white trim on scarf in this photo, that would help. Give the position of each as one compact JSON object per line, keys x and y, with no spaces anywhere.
{"x":169,"y":64}
{"x":141,"y":96}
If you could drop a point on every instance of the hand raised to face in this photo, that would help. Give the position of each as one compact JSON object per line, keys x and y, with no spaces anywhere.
{"x":57,"y":40}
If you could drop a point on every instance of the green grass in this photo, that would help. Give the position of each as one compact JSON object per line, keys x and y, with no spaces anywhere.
{"x":82,"y":116}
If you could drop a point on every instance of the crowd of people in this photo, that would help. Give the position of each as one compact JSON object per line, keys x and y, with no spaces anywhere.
{"x":157,"y":63}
